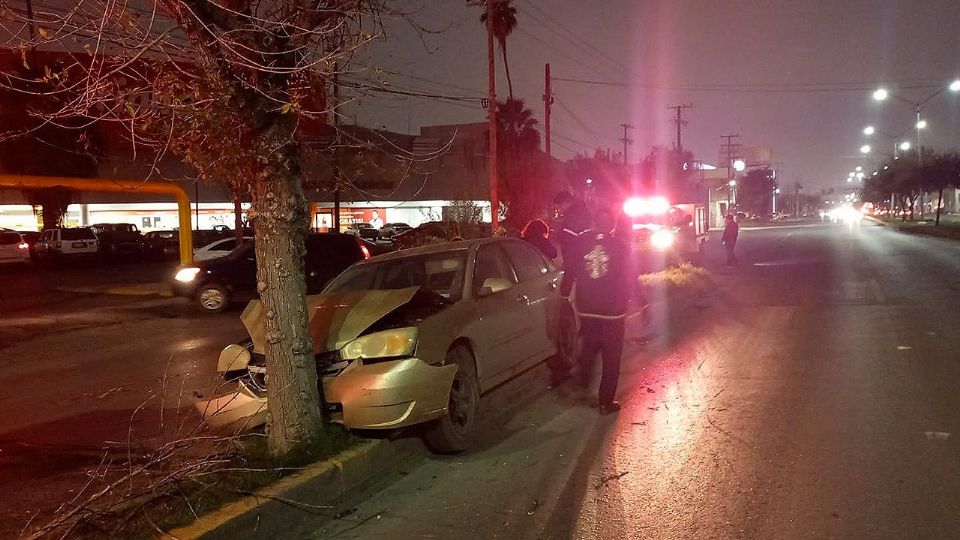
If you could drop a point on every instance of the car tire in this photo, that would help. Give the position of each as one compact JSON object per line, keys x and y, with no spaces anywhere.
{"x":212,"y":298}
{"x":453,"y":432}
{"x":568,"y":342}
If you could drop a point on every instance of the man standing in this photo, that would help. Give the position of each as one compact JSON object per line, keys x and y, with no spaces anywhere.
{"x":729,"y":240}
{"x":597,"y":263}
{"x":375,"y":221}
{"x":574,"y":220}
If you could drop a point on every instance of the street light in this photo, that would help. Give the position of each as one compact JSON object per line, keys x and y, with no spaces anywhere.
{"x":859,"y":168}
{"x":905,"y":145}
{"x":869,"y":130}
{"x":589,"y":181}
{"x":739,"y":165}
{"x":921,"y":124}
{"x":851,"y":175}
{"x":865,"y":149}
{"x":955,"y":86}
{"x":881,"y":94}
{"x":860,"y":176}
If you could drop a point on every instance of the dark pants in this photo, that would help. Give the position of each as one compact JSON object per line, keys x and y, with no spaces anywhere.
{"x":731,"y":256}
{"x":604,"y":336}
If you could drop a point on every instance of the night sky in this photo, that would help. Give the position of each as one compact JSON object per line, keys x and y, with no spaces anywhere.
{"x":796,"y":75}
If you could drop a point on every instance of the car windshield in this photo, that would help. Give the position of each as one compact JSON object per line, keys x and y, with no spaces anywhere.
{"x":77,"y":234}
{"x":441,"y":273}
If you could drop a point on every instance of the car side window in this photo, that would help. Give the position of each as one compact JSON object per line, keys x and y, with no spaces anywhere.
{"x":9,"y":239}
{"x":491,"y":262}
{"x":226,"y":245}
{"x":526,"y":260}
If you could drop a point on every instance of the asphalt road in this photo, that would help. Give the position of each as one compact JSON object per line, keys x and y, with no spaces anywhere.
{"x":86,"y":376}
{"x":817,"y":397}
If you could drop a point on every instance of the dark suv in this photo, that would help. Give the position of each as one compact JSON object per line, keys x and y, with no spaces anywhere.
{"x":216,"y":283}
{"x":118,"y":238}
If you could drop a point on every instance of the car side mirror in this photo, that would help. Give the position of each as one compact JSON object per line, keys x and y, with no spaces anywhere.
{"x":493,"y":286}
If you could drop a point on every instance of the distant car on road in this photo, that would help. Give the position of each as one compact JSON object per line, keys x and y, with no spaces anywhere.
{"x":118,"y":238}
{"x":13,"y":248}
{"x":363,"y":230}
{"x":64,"y":242}
{"x":389,"y":230}
{"x":217,"y":249}
{"x":416,"y":337}
{"x":215,"y":284}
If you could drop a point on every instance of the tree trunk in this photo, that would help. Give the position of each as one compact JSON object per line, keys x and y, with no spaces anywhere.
{"x":280,"y":218}
{"x":506,"y":67}
{"x":939,"y":204}
{"x":237,"y":218}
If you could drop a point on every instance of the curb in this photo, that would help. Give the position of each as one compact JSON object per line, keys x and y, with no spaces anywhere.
{"x":317,"y":489}
{"x":144,"y":289}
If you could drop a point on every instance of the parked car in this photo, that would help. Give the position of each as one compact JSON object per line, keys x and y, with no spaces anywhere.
{"x":217,"y":283}
{"x":31,"y":238}
{"x":13,"y":248}
{"x":62,"y":242}
{"x":217,"y":249}
{"x":161,"y":243}
{"x":118,"y":238}
{"x":389,"y":230}
{"x":363,"y":230}
{"x":417,"y":336}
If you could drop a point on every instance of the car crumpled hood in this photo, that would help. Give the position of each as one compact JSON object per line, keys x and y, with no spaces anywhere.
{"x":335,"y":319}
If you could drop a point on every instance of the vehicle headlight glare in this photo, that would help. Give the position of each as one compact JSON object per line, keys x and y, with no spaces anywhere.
{"x":187,"y":274}
{"x":661,"y":239}
{"x":397,"y":342}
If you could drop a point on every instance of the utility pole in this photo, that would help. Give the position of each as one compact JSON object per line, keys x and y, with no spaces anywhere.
{"x":492,"y":121}
{"x":547,"y":102}
{"x":625,"y":140}
{"x":336,"y":148}
{"x":729,"y":150}
{"x":680,"y":122}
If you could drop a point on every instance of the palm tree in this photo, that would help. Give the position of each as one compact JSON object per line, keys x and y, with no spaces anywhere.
{"x":523,"y":175}
{"x":504,"y":23}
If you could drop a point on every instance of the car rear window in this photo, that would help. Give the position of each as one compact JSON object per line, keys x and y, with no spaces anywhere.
{"x":77,"y":234}
{"x":9,"y":239}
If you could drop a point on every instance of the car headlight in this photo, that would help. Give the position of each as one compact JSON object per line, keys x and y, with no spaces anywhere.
{"x":661,"y":239}
{"x":394,"y":343}
{"x":187,"y":274}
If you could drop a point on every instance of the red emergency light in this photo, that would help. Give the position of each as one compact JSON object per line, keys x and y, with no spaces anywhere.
{"x":645,"y":206}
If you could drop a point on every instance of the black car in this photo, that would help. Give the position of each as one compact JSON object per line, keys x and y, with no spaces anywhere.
{"x":216,"y":283}
{"x":118,"y":238}
{"x":160,"y":244}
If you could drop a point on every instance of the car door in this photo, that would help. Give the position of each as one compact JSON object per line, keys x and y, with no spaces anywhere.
{"x":503,"y":317}
{"x":10,"y":247}
{"x":539,"y":284}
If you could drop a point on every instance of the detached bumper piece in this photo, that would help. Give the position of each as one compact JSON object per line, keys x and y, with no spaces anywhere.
{"x":242,"y":408}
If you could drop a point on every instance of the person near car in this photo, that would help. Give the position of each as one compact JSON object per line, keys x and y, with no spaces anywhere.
{"x":729,"y":239}
{"x":538,"y":234}
{"x":598,"y":266}
{"x":375,"y":220}
{"x":574,"y":219}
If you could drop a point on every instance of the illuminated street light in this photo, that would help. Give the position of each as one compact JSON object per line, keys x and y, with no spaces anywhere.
{"x":921,"y":124}
{"x":865,"y":149}
{"x":955,"y":86}
{"x":739,"y":165}
{"x":881,"y":94}
{"x":860,"y":175}
{"x":876,"y":173}
{"x":905,"y":145}
{"x":851,"y":175}
{"x":589,"y":181}
{"x":849,"y":179}
{"x":732,"y":183}
{"x":869,"y":130}
{"x":859,"y":168}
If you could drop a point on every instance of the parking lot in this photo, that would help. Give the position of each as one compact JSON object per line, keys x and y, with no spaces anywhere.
{"x":95,"y":355}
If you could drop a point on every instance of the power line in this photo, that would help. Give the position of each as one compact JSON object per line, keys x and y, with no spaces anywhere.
{"x":797,"y":88}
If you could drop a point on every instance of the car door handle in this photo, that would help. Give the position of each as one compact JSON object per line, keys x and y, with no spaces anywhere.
{"x":522,"y":298}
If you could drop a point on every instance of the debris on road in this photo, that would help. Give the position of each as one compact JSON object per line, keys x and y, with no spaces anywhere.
{"x":610,"y":478}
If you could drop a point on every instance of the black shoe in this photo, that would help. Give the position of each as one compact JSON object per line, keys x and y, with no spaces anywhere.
{"x":610,"y":408}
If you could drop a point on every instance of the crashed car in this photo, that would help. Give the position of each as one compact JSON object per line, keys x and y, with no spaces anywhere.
{"x":417,"y":336}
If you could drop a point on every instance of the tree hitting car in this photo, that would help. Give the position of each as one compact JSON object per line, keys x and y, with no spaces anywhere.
{"x":416,"y":337}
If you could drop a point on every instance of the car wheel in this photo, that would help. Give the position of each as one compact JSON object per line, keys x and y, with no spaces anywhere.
{"x":452,"y":433}
{"x":212,"y":298}
{"x":568,"y":342}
